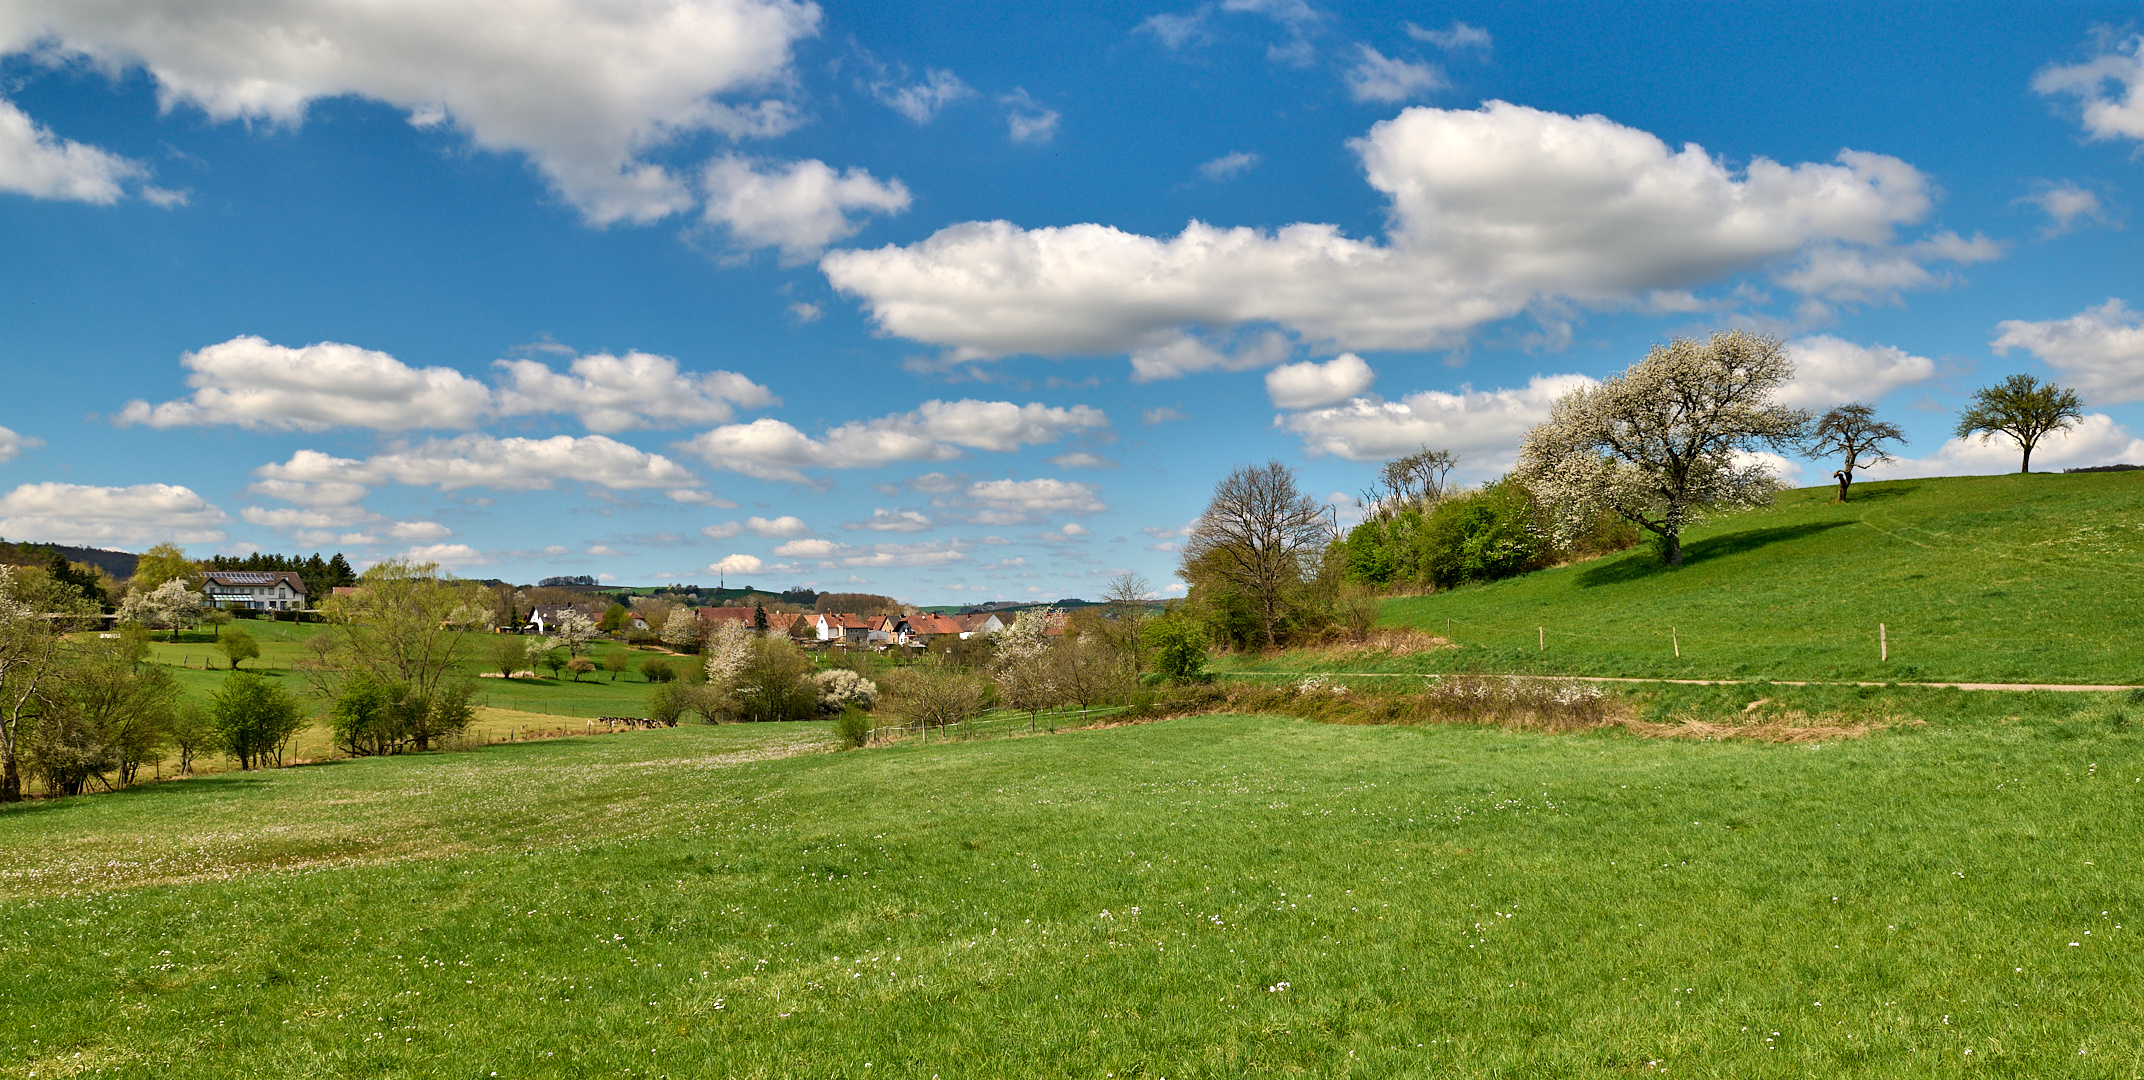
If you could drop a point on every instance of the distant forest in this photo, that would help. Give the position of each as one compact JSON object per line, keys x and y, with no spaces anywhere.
{"x":119,"y":564}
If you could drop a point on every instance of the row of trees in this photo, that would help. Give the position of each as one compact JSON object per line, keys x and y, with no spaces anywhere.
{"x":79,"y":711}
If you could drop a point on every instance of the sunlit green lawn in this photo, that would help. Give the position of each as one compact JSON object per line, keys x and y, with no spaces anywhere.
{"x":1212,"y":896}
{"x":1983,"y":579}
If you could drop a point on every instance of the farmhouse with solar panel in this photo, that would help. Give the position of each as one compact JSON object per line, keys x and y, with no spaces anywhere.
{"x":258,"y":590}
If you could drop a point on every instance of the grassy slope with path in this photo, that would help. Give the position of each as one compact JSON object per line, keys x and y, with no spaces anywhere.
{"x":1282,"y":897}
{"x":1978,"y":579}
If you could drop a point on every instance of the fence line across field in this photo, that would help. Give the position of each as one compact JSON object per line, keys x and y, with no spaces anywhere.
{"x":1673,"y":634}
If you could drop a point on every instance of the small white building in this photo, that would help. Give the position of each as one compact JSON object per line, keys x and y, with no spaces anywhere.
{"x":254,"y":590}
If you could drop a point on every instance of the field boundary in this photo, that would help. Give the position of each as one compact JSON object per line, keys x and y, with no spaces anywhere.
{"x":2078,"y":688}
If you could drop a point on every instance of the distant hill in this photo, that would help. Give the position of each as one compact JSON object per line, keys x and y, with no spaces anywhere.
{"x":119,"y":564}
{"x":2035,"y":578}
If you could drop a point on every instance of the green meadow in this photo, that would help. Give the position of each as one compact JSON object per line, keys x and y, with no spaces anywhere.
{"x":2028,"y":579}
{"x":1207,"y":896}
{"x":1200,"y":897}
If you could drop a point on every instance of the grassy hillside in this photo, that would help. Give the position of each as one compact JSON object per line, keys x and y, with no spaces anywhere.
{"x":1216,"y":896}
{"x":1999,"y":578}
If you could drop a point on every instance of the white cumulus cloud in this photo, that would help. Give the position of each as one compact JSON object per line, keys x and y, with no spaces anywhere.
{"x":2099,"y":349}
{"x":615,"y":393}
{"x":2109,"y":88}
{"x":1377,"y":77}
{"x":1494,"y":211}
{"x":2066,"y":204}
{"x":1484,"y":427}
{"x":583,"y":91}
{"x":449,"y":555}
{"x":1310,"y":384}
{"x":12,"y":445}
{"x":899,"y":521}
{"x":934,"y":431}
{"x":253,"y":383}
{"x":737,"y":563}
{"x":1831,"y":371}
{"x":921,"y":101}
{"x":1015,"y":502}
{"x":56,"y":513}
{"x":37,"y":163}
{"x":1227,"y":166}
{"x":1028,"y":120}
{"x":1453,"y":38}
{"x":477,"y":460}
{"x":797,"y":206}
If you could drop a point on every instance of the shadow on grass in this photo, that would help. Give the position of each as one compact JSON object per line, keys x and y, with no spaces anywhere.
{"x":1645,"y":562}
{"x":1873,"y":490}
{"x":143,"y":789}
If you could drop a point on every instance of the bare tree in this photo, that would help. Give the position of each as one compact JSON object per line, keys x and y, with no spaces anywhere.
{"x":2023,"y":408}
{"x":1126,"y":603}
{"x":1668,"y":439}
{"x":1088,"y":671}
{"x":1851,"y":431}
{"x":935,"y":694}
{"x":1262,"y":535}
{"x":1418,"y":479}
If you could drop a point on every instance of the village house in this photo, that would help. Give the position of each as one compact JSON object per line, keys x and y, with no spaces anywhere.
{"x":851,"y":629}
{"x":543,"y":618}
{"x":984,"y":622}
{"x":254,"y":590}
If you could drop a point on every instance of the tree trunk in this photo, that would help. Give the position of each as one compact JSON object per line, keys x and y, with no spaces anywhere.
{"x":1845,"y":478}
{"x":1671,"y":535}
{"x":10,"y":781}
{"x":2026,"y":465}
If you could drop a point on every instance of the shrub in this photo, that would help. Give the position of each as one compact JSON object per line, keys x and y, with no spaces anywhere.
{"x":668,"y":702}
{"x":841,"y":689}
{"x":657,"y":670}
{"x":238,"y":647}
{"x":1179,"y":647}
{"x":853,"y":727}
{"x":1481,"y":536}
{"x":936,"y":694}
{"x":255,"y":719}
{"x":579,"y":666}
{"x":774,"y":683}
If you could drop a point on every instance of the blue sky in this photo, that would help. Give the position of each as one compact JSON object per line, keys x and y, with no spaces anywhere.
{"x":970,"y":301}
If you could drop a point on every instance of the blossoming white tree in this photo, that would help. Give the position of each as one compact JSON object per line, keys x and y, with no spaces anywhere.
{"x":574,"y":631}
{"x":169,"y":605}
{"x":1024,"y":674}
{"x":681,"y":629}
{"x":1668,"y":440}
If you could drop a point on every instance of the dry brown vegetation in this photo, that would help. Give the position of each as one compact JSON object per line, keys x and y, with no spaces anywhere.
{"x":1497,"y":701}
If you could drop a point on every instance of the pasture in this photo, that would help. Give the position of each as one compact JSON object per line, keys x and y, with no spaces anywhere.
{"x":1201,"y":897}
{"x":2025,"y":579}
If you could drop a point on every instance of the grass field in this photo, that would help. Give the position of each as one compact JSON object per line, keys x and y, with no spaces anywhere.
{"x":1202,"y":897}
{"x":1976,"y":579}
{"x":201,"y":668}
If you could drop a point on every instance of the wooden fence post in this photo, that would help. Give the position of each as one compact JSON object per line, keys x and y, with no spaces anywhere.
{"x":1883,"y":643}
{"x":1677,"y":640}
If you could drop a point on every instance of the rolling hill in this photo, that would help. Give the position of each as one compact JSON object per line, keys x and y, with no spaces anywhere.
{"x":2031,"y":578}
